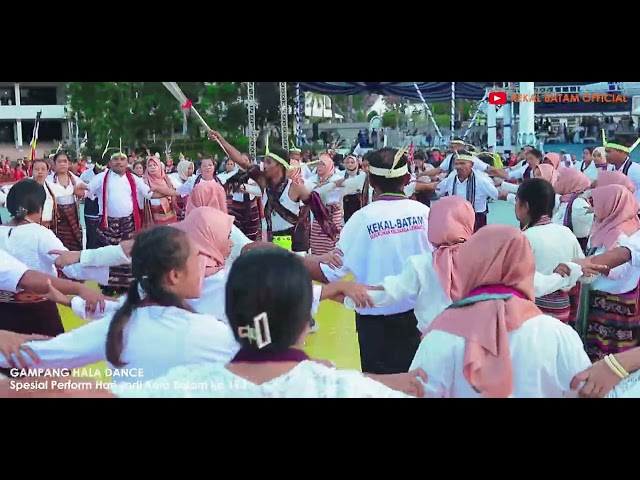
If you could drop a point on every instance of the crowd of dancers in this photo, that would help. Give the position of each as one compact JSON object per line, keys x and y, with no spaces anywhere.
{"x":214,"y":279}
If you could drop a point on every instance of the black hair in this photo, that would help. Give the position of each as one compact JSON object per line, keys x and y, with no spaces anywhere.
{"x":280,"y":152}
{"x":419,"y":156}
{"x":272,"y":281}
{"x":487,"y":158}
{"x":155,"y":252}
{"x":40,"y":160}
{"x":540,"y":196}
{"x":383,"y":158}
{"x":591,"y":149}
{"x":536,"y":153}
{"x":60,"y":154}
{"x":25,"y":198}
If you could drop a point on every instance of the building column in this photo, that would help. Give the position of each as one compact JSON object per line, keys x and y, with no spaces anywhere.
{"x":506,"y":130}
{"x":491,"y":126}
{"x":18,"y":133}
{"x":526,"y":127}
{"x":16,"y":89}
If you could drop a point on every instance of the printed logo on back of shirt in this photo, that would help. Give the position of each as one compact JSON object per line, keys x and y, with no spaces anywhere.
{"x":394,"y":227}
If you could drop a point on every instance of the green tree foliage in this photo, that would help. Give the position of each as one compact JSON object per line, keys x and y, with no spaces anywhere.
{"x":138,"y":111}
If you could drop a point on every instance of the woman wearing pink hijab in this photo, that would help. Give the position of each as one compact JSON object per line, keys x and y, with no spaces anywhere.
{"x":488,"y":344}
{"x":574,"y":212}
{"x":614,"y":304}
{"x":552,"y":159}
{"x":319,"y":241}
{"x":610,"y":177}
{"x":546,"y":172}
{"x":207,"y":194}
{"x":159,"y":211}
{"x":428,"y":277}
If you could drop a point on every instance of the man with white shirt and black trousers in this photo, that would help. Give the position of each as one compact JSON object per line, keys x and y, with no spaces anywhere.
{"x":474,"y":186}
{"x":376,"y":243}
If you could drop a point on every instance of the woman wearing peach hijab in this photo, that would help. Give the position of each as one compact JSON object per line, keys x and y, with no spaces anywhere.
{"x":158,"y":211}
{"x":614,"y":304}
{"x":183,"y":173}
{"x":207,"y":194}
{"x":495,"y":342}
{"x":574,"y":212}
{"x":213,"y":195}
{"x":319,"y":241}
{"x":546,"y":172}
{"x":429,"y":277}
{"x":606,"y":177}
{"x":552,"y":159}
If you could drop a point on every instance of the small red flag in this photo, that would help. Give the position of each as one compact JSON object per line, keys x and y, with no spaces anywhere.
{"x":187,"y":105}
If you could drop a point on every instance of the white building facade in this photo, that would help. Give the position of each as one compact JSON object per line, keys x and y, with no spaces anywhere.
{"x":20,"y":102}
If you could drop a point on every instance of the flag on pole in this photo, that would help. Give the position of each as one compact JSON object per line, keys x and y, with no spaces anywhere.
{"x":34,"y":136}
{"x":411,"y":152}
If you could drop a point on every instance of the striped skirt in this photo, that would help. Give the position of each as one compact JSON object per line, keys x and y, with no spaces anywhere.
{"x":247,"y":218}
{"x":181,"y":203}
{"x":159,"y":217}
{"x":118,"y":230}
{"x":613,"y":325}
{"x":320,"y":242}
{"x":68,"y":228}
{"x":29,"y":314}
{"x":557,"y":305}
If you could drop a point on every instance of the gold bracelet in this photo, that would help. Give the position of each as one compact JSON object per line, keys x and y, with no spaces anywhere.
{"x":616,"y":364}
{"x":613,"y":368}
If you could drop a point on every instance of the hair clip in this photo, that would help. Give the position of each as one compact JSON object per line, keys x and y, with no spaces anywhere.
{"x":259,"y":333}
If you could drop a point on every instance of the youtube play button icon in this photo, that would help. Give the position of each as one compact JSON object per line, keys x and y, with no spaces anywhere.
{"x":498,"y":98}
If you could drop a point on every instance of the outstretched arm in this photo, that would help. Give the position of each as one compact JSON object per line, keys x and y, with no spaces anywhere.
{"x":232,"y":151}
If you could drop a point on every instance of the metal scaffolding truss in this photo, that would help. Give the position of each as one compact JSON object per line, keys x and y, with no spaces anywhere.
{"x":251,"y":108}
{"x":284,"y":116}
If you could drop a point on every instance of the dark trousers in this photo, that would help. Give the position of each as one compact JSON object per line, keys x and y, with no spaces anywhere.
{"x":388,"y":343}
{"x":92,"y":225}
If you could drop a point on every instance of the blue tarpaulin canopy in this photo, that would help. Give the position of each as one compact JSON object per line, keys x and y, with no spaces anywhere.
{"x":432,"y":91}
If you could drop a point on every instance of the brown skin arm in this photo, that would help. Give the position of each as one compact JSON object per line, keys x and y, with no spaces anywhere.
{"x":162,"y":191}
{"x":426,"y":187}
{"x":613,"y":258}
{"x":36,"y":282}
{"x":299,"y":193}
{"x":498,"y":172}
{"x":232,"y":151}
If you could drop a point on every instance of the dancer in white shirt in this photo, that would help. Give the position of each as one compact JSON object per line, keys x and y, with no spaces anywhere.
{"x":91,"y":207}
{"x":495,"y":342}
{"x":40,"y":172}
{"x":63,"y":185}
{"x":376,"y":242}
{"x":31,"y":243}
{"x":183,"y":173}
{"x":154,"y":330}
{"x":319,"y":241}
{"x":268,"y":299}
{"x":476,"y":188}
{"x":552,"y":244}
{"x":614,"y":300}
{"x":574,"y":212}
{"x":158,"y":211}
{"x":120,"y":197}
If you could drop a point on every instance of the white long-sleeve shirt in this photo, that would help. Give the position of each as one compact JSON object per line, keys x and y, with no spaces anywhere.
{"x":156,"y":340}
{"x":546,"y":354}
